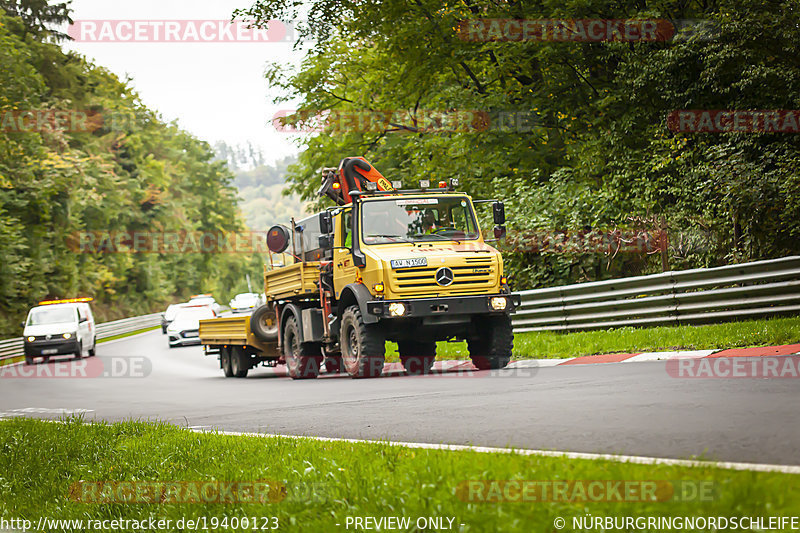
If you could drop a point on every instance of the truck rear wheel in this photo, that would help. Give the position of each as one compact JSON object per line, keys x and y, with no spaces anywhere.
{"x":264,"y":323}
{"x":417,"y":357}
{"x":225,"y":361}
{"x":239,"y":362}
{"x":303,"y":359}
{"x":363,"y":345}
{"x":492,"y":349}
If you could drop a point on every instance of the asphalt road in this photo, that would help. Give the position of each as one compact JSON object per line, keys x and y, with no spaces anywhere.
{"x":634,"y":409}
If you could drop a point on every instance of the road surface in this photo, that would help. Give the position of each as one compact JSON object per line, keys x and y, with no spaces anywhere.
{"x":633,"y":409}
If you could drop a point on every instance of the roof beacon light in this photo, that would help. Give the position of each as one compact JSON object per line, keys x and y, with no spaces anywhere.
{"x":397,"y":184}
{"x":67,"y":301}
{"x":424,"y":184}
{"x":371,"y":186}
{"x":442,"y":184}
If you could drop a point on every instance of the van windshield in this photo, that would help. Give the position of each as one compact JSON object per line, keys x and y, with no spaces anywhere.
{"x":52,"y":315}
{"x":447,"y":218}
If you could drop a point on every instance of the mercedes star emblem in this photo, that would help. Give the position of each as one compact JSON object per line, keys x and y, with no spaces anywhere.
{"x":444,"y":276}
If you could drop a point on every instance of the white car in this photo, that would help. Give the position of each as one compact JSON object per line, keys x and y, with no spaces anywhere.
{"x":185,"y":328}
{"x":169,"y":315}
{"x":247,"y":301}
{"x":205,"y":299}
{"x":60,"y":327}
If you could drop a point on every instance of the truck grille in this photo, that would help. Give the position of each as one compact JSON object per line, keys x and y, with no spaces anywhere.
{"x":470,"y":276}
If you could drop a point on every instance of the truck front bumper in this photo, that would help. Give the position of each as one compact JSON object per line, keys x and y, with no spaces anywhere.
{"x":483,"y":304}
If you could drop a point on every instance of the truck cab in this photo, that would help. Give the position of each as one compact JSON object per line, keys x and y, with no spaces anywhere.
{"x":385,"y":264}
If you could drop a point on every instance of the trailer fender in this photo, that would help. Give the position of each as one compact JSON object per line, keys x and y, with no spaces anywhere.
{"x":357,"y":294}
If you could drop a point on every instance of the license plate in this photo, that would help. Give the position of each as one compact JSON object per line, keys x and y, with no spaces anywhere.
{"x":408,"y":263}
{"x":191,"y":334}
{"x":50,"y":351}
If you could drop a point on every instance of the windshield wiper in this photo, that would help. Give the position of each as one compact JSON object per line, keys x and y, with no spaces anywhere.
{"x":397,"y":237}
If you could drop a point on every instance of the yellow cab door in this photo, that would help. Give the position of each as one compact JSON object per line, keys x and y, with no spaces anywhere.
{"x":344,"y":270}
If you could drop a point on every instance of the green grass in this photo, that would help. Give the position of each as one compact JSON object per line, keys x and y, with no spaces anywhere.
{"x":329,"y":481}
{"x":123,"y":335}
{"x":554,"y":345}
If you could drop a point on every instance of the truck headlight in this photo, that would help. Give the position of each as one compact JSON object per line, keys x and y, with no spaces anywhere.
{"x":498,"y":303}
{"x":397,"y":309}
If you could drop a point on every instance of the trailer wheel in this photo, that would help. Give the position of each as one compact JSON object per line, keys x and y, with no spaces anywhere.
{"x":492,"y":350}
{"x":417,"y":357}
{"x":303,"y":359}
{"x":239,"y":362}
{"x":264,"y":323}
{"x":225,"y":361}
{"x":363,"y":345}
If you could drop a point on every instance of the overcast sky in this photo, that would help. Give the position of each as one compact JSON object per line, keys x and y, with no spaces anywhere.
{"x":215,"y":90}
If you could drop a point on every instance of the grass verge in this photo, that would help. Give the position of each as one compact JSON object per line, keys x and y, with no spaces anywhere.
{"x":123,"y":335}
{"x":554,"y":345}
{"x":326,"y":482}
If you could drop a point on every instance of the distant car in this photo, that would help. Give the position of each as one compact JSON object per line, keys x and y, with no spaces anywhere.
{"x":62,"y":327}
{"x":169,"y":315}
{"x":185,"y":327}
{"x":247,"y":301}
{"x":205,"y":299}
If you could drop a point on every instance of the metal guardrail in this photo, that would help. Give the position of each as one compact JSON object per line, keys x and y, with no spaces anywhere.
{"x":703,"y":295}
{"x":14,"y":347}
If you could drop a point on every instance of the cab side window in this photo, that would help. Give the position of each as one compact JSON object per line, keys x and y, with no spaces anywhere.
{"x":347,"y":229}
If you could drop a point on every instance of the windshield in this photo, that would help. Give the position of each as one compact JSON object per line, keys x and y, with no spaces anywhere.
{"x":194,"y":314}
{"x":448,"y":218}
{"x":52,"y":315}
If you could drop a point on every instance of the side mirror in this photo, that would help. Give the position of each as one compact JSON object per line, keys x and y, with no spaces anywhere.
{"x":82,"y":320}
{"x":325,"y":223}
{"x":278,"y":239}
{"x":325,"y":242}
{"x":22,"y":325}
{"x":499,"y":213}
{"x":499,"y":232}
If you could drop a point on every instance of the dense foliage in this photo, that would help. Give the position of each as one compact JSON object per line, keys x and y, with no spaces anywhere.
{"x":594,"y":152}
{"x":125,"y":171}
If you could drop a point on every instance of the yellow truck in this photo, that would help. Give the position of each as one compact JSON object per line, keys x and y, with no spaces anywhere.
{"x":383,"y":264}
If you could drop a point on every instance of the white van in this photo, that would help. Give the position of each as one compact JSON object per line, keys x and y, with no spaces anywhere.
{"x":60,"y":327}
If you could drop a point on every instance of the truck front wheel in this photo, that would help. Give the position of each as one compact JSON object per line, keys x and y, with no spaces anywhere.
{"x":363,"y":345}
{"x":302,"y":360}
{"x":491,"y":349}
{"x":417,"y":357}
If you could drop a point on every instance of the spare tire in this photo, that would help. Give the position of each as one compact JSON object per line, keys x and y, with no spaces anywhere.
{"x":264,"y":323}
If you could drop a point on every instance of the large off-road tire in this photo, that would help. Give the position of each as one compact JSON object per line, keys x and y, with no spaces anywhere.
{"x":303,"y":359}
{"x":491,"y":348}
{"x":225,"y":361}
{"x":264,"y":323}
{"x":240,"y":362}
{"x":417,"y":357}
{"x":363,"y":345}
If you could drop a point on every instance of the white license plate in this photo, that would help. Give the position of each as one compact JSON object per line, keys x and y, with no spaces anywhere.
{"x":50,"y":351}
{"x":191,"y":334}
{"x":408,"y":263}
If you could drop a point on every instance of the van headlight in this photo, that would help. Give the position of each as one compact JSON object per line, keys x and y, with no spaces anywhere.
{"x":397,"y":309}
{"x":31,"y":339}
{"x":67,"y":335}
{"x":498,"y":303}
